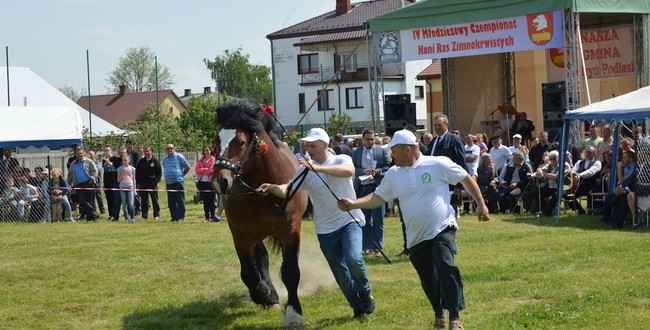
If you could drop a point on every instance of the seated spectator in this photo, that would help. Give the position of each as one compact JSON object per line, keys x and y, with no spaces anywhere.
{"x":547,"y":173}
{"x":501,"y":155}
{"x":614,"y":210}
{"x":488,"y":181}
{"x":514,"y":180}
{"x":606,"y":166}
{"x":27,"y":195}
{"x":587,"y":171}
{"x":9,"y":197}
{"x":61,"y":192}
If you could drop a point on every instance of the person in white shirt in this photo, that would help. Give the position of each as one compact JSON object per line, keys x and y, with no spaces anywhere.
{"x":472,"y":152}
{"x":339,"y":233}
{"x":587,"y":171}
{"x":501,"y":155}
{"x":420,"y":183}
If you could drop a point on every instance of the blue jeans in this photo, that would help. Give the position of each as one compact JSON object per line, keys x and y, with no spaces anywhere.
{"x":342,"y":250}
{"x":127,"y":204}
{"x":374,"y":228}
{"x":176,"y":200}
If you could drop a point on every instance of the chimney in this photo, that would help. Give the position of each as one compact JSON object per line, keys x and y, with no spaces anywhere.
{"x":342,"y":7}
{"x":188,"y":92}
{"x":122,"y":89}
{"x":207,"y":91}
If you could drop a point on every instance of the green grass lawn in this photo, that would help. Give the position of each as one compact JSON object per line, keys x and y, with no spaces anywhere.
{"x":518,"y":272}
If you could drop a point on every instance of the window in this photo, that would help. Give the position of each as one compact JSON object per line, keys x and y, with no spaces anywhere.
{"x":353,"y":98}
{"x":350,"y":65}
{"x":308,"y":63}
{"x":301,"y":103}
{"x":419,"y":92}
{"x":324,"y":101}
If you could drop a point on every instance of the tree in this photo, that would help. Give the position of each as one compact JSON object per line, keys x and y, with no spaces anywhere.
{"x":145,"y":128}
{"x":340,"y":124}
{"x":197,"y":123}
{"x":71,"y":93}
{"x":136,"y":69}
{"x":235,"y":76}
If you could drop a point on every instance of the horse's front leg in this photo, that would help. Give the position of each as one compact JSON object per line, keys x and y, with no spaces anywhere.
{"x":291,"y":277}
{"x":262,"y":264}
{"x":258,"y":289}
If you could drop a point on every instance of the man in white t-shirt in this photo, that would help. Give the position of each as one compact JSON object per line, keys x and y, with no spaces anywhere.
{"x":501,"y":155}
{"x":421,"y":183}
{"x":338,"y":234}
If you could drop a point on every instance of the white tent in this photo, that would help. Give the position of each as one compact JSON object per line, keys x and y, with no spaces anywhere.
{"x":40,"y":126}
{"x":26,"y":88}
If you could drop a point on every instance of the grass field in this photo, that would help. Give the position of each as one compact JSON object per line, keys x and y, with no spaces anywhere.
{"x":518,"y":272}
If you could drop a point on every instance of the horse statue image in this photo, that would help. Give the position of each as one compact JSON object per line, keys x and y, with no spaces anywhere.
{"x":255,"y":155}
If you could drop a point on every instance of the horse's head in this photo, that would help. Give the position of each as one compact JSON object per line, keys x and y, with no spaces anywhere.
{"x":237,"y":158}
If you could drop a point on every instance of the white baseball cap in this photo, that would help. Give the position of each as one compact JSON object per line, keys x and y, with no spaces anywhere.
{"x":516,"y":136}
{"x":316,"y":134}
{"x":402,"y":137}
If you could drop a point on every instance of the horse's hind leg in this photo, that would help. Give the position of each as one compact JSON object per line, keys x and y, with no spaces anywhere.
{"x":262,"y":263}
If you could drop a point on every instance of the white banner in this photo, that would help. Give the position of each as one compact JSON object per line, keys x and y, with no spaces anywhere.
{"x":526,"y":32}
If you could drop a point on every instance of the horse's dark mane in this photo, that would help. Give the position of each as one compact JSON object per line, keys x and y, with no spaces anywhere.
{"x":247,"y":115}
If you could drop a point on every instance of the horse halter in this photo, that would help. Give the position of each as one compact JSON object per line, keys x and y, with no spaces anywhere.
{"x":236,"y":168}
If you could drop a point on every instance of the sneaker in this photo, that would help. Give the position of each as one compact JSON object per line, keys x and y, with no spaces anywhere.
{"x":368,"y":303}
{"x":216,"y":218}
{"x":111,"y":219}
{"x":440,"y":323}
{"x":156,"y":218}
{"x":72,"y":220}
{"x":456,"y":325}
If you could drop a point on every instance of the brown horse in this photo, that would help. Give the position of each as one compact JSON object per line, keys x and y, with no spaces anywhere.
{"x":254,"y":156}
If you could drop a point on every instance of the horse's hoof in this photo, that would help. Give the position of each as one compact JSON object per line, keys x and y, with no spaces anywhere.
{"x":274,"y":306}
{"x":293,"y":320}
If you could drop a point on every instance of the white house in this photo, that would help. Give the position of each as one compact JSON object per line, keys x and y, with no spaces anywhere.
{"x":333,"y":53}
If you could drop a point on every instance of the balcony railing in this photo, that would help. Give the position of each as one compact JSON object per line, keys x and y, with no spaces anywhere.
{"x":361,"y":73}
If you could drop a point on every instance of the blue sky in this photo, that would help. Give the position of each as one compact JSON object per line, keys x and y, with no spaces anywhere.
{"x":52,"y":36}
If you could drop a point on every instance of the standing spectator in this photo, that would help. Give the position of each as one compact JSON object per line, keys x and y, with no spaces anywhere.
{"x":9,"y":164}
{"x":426,"y":140}
{"x":339,"y":146}
{"x":430,"y":222}
{"x":110,"y":163}
{"x":537,"y":152}
{"x":203,"y":170}
{"x":472,"y":152}
{"x":588,"y":171}
{"x":83,"y":174}
{"x":135,"y":157}
{"x":488,"y":181}
{"x":517,"y":146}
{"x":524,"y":127}
{"x":175,"y":168}
{"x":500,"y":155}
{"x":338,"y":234}
{"x":148,"y":173}
{"x":98,"y":183}
{"x":480,"y":141}
{"x":594,"y":137}
{"x":451,"y":146}
{"x":607,"y":143}
{"x":370,"y":162}
{"x":126,"y":178}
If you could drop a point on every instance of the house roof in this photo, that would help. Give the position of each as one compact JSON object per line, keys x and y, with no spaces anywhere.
{"x":331,"y":23}
{"x":120,"y":108}
{"x":432,"y":71}
{"x":347,"y":35}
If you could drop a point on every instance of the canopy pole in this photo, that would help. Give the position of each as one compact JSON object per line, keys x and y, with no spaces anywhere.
{"x":582,"y":58}
{"x":90,"y":110}
{"x":7,"y":60}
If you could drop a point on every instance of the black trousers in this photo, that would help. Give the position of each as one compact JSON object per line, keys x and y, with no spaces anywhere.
{"x":86,"y":199}
{"x":145,"y":195}
{"x":615,"y":210}
{"x":440,"y":278}
{"x":208,"y":196}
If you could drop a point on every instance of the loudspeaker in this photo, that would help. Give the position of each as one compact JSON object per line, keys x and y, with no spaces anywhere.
{"x":553,"y":121}
{"x":398,"y":116}
{"x":554,"y":97}
{"x":397,"y":99}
